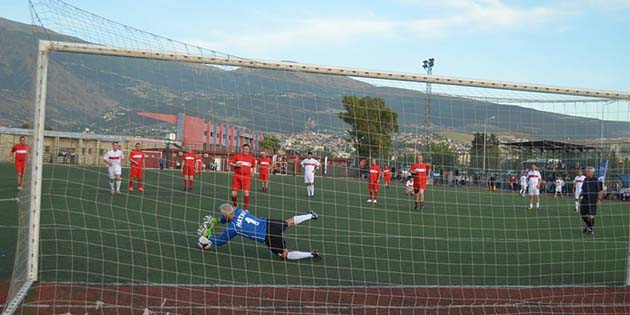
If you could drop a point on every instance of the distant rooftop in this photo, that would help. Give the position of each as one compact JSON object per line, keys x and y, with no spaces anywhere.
{"x":549,"y":145}
{"x":80,"y":135}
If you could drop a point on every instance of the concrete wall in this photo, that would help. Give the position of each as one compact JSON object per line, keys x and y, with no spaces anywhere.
{"x":68,"y":149}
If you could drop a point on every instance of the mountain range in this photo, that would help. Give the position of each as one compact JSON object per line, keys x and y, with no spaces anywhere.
{"x":104,"y":94}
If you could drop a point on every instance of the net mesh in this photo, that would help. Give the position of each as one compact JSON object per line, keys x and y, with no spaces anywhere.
{"x":473,"y":242}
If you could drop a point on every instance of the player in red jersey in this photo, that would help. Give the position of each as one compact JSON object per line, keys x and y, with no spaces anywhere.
{"x":21,"y":151}
{"x":136,"y":159}
{"x":199,"y":164}
{"x":263,"y":170}
{"x":188,"y":170}
{"x":387,"y":175}
{"x":373,"y":185}
{"x":243,"y":163}
{"x":419,"y":170}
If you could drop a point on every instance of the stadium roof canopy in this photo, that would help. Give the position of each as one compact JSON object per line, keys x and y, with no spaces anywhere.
{"x":549,"y":145}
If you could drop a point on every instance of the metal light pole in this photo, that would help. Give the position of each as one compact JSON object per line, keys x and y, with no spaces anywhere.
{"x":427,"y":65}
{"x":485,"y":124}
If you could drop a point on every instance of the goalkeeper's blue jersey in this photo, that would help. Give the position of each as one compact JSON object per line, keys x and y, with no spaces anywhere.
{"x":244,"y":224}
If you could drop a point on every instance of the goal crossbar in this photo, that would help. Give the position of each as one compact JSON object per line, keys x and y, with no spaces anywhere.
{"x":330,"y":70}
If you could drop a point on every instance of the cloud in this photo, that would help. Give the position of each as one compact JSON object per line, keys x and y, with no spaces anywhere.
{"x":452,"y":16}
{"x":305,"y":33}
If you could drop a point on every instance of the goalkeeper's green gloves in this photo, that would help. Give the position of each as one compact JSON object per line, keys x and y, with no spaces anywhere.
{"x":205,"y":229}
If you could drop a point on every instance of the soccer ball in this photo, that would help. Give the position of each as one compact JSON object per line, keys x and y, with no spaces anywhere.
{"x":204,"y":243}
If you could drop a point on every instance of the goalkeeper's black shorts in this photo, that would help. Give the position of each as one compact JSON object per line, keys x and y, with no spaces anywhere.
{"x":275,"y":239}
{"x":588,"y":207}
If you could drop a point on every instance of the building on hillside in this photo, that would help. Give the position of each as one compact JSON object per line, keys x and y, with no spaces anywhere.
{"x":199,"y":135}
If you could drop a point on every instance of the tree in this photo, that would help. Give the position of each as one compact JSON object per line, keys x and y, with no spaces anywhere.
{"x":270,"y":144}
{"x":613,"y":164}
{"x":442,"y":156}
{"x":492,"y":151}
{"x":28,"y":126}
{"x":372,"y":125}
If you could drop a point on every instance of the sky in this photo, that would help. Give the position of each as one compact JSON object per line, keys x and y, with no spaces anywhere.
{"x":572,"y":43}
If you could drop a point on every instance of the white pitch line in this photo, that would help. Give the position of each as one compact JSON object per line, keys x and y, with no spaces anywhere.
{"x":345,"y":236}
{"x":292,"y":286}
{"x":333,"y":306}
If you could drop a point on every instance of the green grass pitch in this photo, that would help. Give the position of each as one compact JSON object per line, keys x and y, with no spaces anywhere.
{"x":464,"y":236}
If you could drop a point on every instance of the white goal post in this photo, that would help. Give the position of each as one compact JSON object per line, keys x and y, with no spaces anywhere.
{"x":46,"y":47}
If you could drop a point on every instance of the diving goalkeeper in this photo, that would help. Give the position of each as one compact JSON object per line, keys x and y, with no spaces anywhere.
{"x":267,"y":231}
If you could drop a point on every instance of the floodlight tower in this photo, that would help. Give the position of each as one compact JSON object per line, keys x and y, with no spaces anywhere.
{"x":427,"y":65}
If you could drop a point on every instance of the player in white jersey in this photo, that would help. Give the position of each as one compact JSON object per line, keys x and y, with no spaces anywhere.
{"x":113,"y":159}
{"x":523,"y":180}
{"x":534,"y":180}
{"x":577,"y":188}
{"x":559,"y":184}
{"x":310,"y":165}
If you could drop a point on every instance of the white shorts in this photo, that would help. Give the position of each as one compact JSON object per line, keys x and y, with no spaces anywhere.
{"x":533,"y":191}
{"x":114,"y":170}
{"x":577,"y":194}
{"x":309,"y":178}
{"x":523,"y":186}
{"x":558,"y":189}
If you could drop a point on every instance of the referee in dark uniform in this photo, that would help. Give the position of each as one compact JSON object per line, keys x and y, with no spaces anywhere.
{"x":592,"y":194}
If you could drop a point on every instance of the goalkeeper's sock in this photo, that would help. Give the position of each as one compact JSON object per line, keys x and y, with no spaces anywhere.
{"x":295,"y":255}
{"x":592,"y":222}
{"x":586,"y":221}
{"x":246,"y":199}
{"x":301,"y":218}
{"x":118,"y":182}
{"x":234,"y":203}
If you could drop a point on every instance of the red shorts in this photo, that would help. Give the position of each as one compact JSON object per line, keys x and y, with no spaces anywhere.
{"x":135,"y":172}
{"x":388,"y":179}
{"x":188,"y":171}
{"x":263,"y":175}
{"x":419,"y":184}
{"x":241,"y":183}
{"x":19,"y":167}
{"x":374,"y":186}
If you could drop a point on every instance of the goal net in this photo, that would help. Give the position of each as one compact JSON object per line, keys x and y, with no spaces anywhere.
{"x":472,"y":241}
